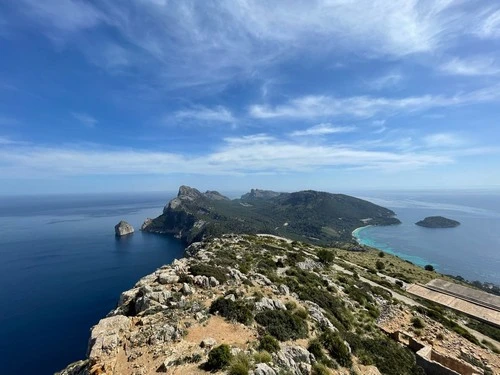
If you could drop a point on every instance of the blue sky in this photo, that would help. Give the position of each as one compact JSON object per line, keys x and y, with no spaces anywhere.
{"x":108,"y":95}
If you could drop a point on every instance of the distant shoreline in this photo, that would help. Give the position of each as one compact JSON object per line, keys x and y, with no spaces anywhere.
{"x":357,"y":230}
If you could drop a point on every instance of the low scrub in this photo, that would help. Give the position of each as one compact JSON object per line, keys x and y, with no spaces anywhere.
{"x":207,"y":270}
{"x":269,"y":344}
{"x":219,"y":358}
{"x":282,"y":324}
{"x":336,"y":347}
{"x":238,"y":310}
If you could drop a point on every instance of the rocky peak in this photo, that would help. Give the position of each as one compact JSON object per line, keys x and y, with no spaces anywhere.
{"x":260,"y":194}
{"x":189,"y":193}
{"x":215,"y":195}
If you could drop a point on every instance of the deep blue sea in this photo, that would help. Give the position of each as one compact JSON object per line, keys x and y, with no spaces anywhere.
{"x":471,"y":250}
{"x":62,"y":269}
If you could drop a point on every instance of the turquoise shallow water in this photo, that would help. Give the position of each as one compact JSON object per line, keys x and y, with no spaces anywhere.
{"x":471,"y":250}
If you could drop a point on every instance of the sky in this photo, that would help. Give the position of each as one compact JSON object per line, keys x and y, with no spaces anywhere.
{"x":335,"y":95}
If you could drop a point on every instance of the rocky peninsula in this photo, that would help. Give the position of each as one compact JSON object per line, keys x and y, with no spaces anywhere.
{"x":311,"y":216}
{"x":264,"y":305}
{"x":437,"y":222}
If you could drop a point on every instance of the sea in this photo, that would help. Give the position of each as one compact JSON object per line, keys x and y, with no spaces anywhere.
{"x":471,"y":250}
{"x":62,"y":269}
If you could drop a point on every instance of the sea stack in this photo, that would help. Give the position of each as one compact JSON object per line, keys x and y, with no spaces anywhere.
{"x":123,"y":228}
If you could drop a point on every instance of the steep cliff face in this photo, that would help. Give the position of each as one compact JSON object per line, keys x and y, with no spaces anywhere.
{"x":316,"y":217}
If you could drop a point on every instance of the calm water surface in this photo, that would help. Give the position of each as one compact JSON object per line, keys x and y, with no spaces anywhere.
{"x":62,"y":269}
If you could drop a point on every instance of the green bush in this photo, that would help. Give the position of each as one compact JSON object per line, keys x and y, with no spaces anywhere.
{"x":240,"y":365}
{"x":219,"y":357}
{"x":381,"y":254}
{"x":316,"y":349}
{"x":262,"y":357}
{"x":269,"y":344}
{"x":417,"y":322}
{"x":319,"y":369}
{"x":380,"y":265}
{"x":336,"y":347}
{"x":429,"y":267}
{"x":238,"y":310}
{"x":282,"y":324}
{"x":206,"y":270}
{"x":326,"y":256}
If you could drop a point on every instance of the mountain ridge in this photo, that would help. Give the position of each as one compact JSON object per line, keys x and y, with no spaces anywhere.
{"x":311,"y":216}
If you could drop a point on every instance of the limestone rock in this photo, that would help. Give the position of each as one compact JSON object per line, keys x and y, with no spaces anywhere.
{"x":146,"y":223}
{"x":123,"y":228}
{"x":283,"y":289}
{"x":208,"y":342}
{"x":186,"y":289}
{"x":264,"y":369}
{"x":167,"y":278}
{"x":296,"y":359}
{"x":269,"y":304}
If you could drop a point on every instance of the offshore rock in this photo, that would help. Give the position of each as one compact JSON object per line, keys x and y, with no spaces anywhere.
{"x":123,"y":228}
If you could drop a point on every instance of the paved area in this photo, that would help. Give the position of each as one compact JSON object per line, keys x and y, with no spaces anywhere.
{"x":474,"y":310}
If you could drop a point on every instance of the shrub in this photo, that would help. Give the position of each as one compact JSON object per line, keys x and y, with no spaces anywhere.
{"x":282,"y":324}
{"x":429,"y":267}
{"x":240,"y":365}
{"x":336,"y":347}
{"x":380,"y":265}
{"x":399,"y":283}
{"x":319,"y":369}
{"x":238,"y":310}
{"x":301,"y":313}
{"x":290,"y":305}
{"x":219,"y":357}
{"x":316,"y":349}
{"x":326,"y":256}
{"x":206,"y":270}
{"x":269,"y":344}
{"x":417,"y":322}
{"x":381,"y":254}
{"x":262,"y":357}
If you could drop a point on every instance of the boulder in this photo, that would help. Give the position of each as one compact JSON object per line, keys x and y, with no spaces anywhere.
{"x":269,"y":304}
{"x":295,"y":359}
{"x":167,"y":278}
{"x":123,"y":228}
{"x":208,"y":342}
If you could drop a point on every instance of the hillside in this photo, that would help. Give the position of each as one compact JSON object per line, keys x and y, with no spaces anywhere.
{"x":311,"y":216}
{"x":241,"y":304}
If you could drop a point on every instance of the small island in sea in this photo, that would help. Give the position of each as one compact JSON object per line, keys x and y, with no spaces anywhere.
{"x":437,"y":222}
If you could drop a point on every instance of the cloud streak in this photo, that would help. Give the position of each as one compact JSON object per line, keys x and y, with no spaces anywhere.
{"x":323,"y":129}
{"x":85,"y":119}
{"x":314,"y":106}
{"x":259,"y":153}
{"x":204,"y":114}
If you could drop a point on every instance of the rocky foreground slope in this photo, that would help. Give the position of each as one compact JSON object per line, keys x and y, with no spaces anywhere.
{"x":311,"y":216}
{"x":244,"y":304}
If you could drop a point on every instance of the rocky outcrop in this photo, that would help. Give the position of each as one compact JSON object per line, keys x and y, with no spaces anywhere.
{"x":123,"y":228}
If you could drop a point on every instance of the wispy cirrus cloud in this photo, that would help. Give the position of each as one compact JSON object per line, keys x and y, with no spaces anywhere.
{"x":489,"y":27}
{"x":323,"y":129}
{"x":390,"y":80}
{"x":471,"y":66}
{"x":85,"y":119}
{"x":314,"y":106}
{"x":192,"y":43}
{"x":443,"y":140}
{"x":205,"y":114}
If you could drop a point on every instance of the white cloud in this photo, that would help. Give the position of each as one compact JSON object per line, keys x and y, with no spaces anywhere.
{"x":443,"y":140}
{"x":216,"y":114}
{"x":490,"y":26}
{"x":191,"y":43}
{"x":314,"y":106}
{"x":473,"y":66}
{"x":85,"y":119}
{"x":259,"y":153}
{"x":323,"y":129}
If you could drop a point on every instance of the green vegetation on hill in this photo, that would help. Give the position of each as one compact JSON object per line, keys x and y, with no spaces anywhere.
{"x":437,"y":222}
{"x":311,"y":216}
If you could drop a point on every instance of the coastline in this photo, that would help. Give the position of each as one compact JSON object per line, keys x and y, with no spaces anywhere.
{"x":418,"y":261}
